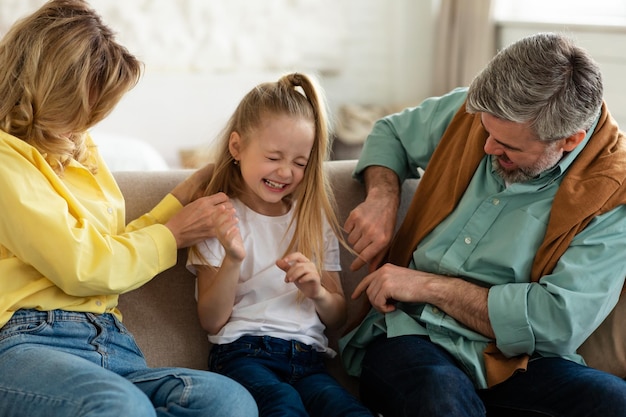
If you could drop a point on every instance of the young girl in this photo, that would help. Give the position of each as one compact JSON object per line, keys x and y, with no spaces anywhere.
{"x":269,"y":284}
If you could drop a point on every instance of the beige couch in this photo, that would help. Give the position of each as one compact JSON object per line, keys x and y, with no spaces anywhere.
{"x":162,"y":314}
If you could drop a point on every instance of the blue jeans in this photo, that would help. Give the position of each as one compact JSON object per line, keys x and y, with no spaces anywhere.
{"x":63,"y":364}
{"x":411,"y":376}
{"x":286,"y":378}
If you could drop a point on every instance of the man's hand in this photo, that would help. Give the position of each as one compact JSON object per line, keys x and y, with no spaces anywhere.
{"x":391,"y":283}
{"x":370,"y":226}
{"x":460,"y":299}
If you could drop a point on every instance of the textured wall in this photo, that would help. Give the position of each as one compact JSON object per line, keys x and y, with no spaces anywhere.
{"x":202,"y":55}
{"x":200,"y":35}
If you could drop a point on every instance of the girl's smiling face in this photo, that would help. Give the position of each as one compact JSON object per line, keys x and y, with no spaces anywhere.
{"x":272,"y":160}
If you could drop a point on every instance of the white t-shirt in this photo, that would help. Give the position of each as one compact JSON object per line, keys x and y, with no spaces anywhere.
{"x":265,"y":305}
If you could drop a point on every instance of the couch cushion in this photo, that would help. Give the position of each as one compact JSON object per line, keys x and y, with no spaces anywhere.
{"x":162,"y":317}
{"x":605,"y":349}
{"x":162,"y":314}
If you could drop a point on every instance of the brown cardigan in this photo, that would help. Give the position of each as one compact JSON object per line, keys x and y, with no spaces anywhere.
{"x":594,"y":184}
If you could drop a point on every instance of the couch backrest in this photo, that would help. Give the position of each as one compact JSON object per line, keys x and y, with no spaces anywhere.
{"x":162,"y":313}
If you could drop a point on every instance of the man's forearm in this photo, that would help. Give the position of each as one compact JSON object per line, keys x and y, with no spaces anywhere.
{"x":464,"y":301}
{"x":382,"y":182}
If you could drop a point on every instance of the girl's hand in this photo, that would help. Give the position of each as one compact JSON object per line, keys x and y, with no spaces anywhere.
{"x":303,"y":273}
{"x":228,"y":233}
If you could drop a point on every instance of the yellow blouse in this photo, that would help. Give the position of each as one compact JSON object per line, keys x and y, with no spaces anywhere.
{"x":63,"y":239}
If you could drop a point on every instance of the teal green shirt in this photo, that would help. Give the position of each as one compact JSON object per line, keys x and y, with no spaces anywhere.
{"x":490,"y":239}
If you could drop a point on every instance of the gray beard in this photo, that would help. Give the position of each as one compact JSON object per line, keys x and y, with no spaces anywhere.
{"x":549,"y":159}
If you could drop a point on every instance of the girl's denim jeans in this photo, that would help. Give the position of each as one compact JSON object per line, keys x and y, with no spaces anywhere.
{"x":285,"y":377}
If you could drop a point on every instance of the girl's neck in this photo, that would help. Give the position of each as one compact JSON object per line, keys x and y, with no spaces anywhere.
{"x":256,"y":204}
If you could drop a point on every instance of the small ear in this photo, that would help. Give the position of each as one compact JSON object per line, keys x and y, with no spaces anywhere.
{"x":573,"y":141}
{"x":234,"y":145}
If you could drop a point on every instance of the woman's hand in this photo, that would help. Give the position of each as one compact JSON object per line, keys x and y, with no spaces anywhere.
{"x":198,"y":220}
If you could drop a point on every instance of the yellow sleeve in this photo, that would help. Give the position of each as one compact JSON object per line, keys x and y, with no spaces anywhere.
{"x":67,"y":229}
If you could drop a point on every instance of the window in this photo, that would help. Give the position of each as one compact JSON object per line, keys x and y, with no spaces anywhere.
{"x":602,"y":12}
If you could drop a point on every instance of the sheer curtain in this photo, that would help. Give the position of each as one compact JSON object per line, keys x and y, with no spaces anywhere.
{"x":464,"y":42}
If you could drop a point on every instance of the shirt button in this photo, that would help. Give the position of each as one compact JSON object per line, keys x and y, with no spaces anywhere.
{"x":468,"y":240}
{"x":495,"y":201}
{"x":110,"y":210}
{"x":98,"y":303}
{"x":435,"y":310}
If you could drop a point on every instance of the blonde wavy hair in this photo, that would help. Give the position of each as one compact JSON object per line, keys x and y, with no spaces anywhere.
{"x":61,"y":72}
{"x":294,"y":95}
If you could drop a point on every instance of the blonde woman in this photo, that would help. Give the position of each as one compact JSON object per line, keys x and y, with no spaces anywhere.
{"x":65,"y":253}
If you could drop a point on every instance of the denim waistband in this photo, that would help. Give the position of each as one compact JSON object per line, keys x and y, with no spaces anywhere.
{"x":276,"y":344}
{"x":25,"y":316}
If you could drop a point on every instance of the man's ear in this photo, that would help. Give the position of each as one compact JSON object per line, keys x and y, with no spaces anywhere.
{"x":571,"y":142}
{"x":234,"y":145}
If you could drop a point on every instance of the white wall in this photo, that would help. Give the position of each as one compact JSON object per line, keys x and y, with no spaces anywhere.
{"x":375,"y":52}
{"x":364,"y":52}
{"x":386,"y":53}
{"x":202,"y":57}
{"x":386,"y":60}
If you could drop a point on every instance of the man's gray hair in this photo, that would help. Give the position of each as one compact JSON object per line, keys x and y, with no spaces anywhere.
{"x":544,"y":80}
